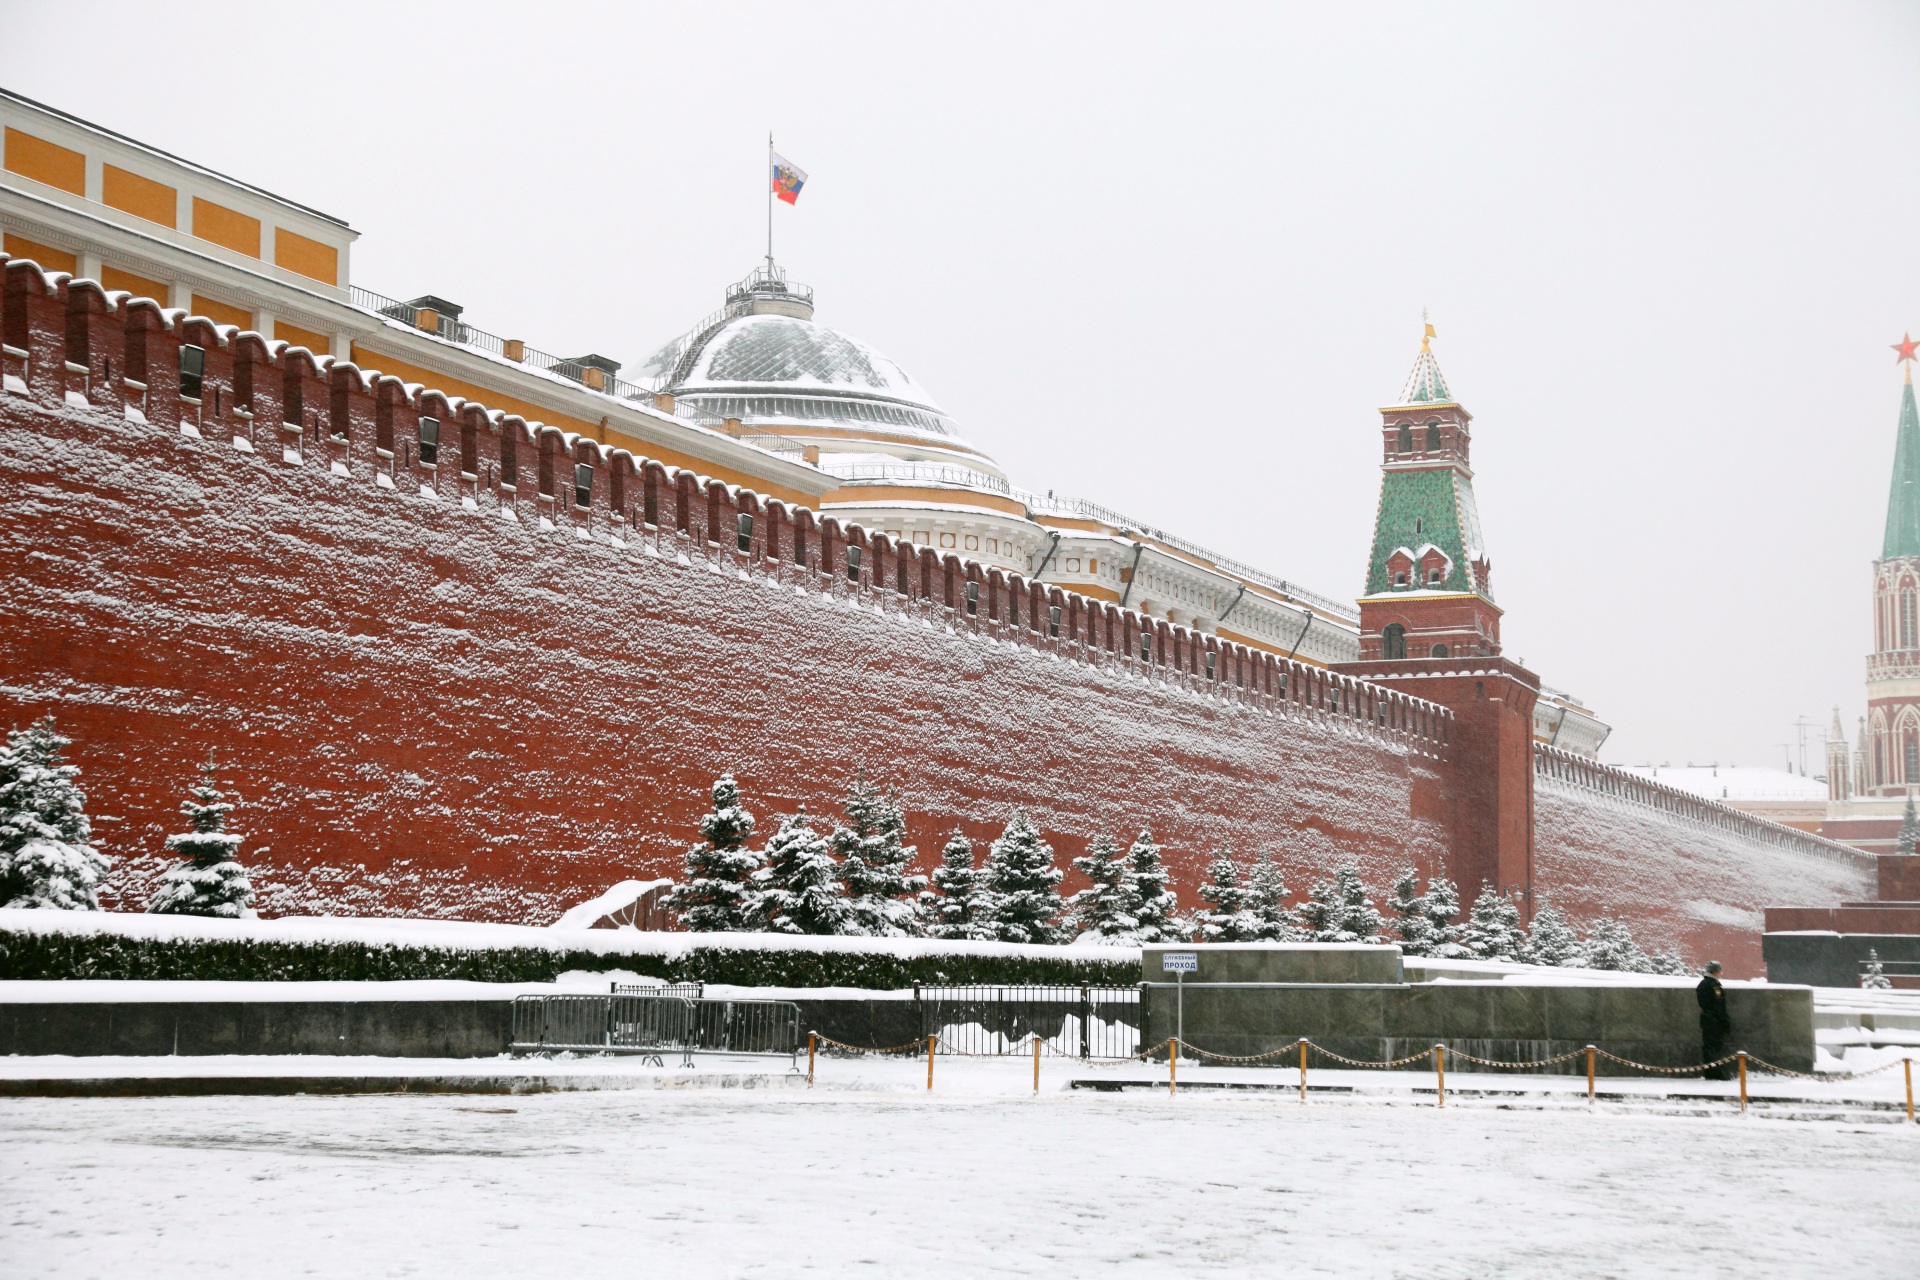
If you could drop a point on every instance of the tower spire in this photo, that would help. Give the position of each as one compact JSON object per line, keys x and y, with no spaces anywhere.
{"x":1903,"y":502}
{"x":1425,"y":385}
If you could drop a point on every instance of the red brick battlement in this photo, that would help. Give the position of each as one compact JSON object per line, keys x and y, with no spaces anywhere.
{"x":70,"y":341}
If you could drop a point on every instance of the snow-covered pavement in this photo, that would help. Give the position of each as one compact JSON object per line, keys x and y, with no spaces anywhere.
{"x":977,"y":1178}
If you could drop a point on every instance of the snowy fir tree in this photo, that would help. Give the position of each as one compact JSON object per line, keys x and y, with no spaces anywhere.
{"x":1670,"y":963}
{"x":1909,"y":836}
{"x":211,"y":882}
{"x":1552,"y":939}
{"x":1156,"y":912}
{"x":1023,"y":884}
{"x":799,"y":886}
{"x":1493,"y":927}
{"x":719,"y":895}
{"x":1425,"y":920}
{"x":1267,"y":903}
{"x":45,"y":857}
{"x":882,"y":898}
{"x":1104,"y":911}
{"x":1225,"y":918}
{"x":954,"y":909}
{"x":1339,"y":910}
{"x":1611,"y":945}
{"x":1875,"y":977}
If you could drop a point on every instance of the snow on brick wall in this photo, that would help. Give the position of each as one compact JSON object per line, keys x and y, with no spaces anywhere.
{"x":1680,"y":883}
{"x":430,"y":711}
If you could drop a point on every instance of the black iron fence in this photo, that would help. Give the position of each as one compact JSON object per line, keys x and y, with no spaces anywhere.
{"x":651,"y":1023}
{"x":1072,"y":1021}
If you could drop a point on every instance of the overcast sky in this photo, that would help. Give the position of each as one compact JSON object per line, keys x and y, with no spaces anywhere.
{"x":1174,"y":259}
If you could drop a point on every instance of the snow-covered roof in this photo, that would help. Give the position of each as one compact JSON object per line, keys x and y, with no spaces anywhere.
{"x":781,"y":368}
{"x":1732,"y":782}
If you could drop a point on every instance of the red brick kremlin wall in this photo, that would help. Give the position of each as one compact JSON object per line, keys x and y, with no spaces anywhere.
{"x":429,"y":707}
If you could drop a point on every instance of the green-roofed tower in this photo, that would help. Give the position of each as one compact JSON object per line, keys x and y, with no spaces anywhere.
{"x":1888,"y":758}
{"x":1428,"y":592}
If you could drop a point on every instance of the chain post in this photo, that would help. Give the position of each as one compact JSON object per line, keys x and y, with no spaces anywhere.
{"x":1743,"y":1082}
{"x":1440,"y":1071}
{"x":930,"y":1040}
{"x":1173,"y":1065}
{"x":1036,"y":1063}
{"x":1908,"y":1064}
{"x":1303,"y":1071}
{"x":813,"y":1040}
{"x":1589,"y":1077}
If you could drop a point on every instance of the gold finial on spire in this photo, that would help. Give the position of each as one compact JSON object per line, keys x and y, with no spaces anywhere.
{"x":1429,"y":335}
{"x":1906,"y":347}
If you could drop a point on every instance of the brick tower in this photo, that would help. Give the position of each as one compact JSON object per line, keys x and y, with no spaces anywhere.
{"x":1429,"y":626}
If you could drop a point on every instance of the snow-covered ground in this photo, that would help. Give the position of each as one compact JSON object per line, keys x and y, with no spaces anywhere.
{"x":980,"y":1177}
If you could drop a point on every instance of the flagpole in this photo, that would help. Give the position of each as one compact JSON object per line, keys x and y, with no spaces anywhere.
{"x":769,"y":181}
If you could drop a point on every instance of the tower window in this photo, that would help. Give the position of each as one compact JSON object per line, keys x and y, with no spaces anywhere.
{"x":429,"y":440}
{"x":973,"y":598}
{"x":582,"y":484}
{"x":1433,"y":437}
{"x":1393,"y":641}
{"x":743,"y":531}
{"x":1910,"y":750}
{"x":1439,"y":651}
{"x":193,"y":369}
{"x":853,"y":564}
{"x":1399,"y":579}
{"x":1907,"y":626}
{"x":1405,"y":442}
{"x":1433,"y":577}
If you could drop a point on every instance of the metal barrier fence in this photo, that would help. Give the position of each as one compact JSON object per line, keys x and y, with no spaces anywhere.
{"x":1072,"y":1021}
{"x":647,"y":1022}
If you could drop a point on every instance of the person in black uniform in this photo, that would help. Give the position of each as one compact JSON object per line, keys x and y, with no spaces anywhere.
{"x":1715,"y":1026}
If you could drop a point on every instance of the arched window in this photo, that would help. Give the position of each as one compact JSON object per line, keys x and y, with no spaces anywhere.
{"x":1908,"y":629}
{"x":1433,"y":437}
{"x":1439,"y":651}
{"x":1406,"y":438}
{"x":1879,"y":762}
{"x":1393,"y":641}
{"x":1910,"y":750}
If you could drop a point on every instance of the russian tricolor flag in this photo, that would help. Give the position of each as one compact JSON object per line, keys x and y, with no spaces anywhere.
{"x":788,"y":178}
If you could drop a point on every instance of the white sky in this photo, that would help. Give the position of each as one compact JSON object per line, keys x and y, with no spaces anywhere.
{"x":1173,"y":259}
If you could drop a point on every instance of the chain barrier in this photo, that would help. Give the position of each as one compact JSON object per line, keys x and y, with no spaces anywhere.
{"x":1039,"y":1046}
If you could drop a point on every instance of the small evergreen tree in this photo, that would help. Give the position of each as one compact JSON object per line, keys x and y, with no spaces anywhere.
{"x":1909,"y":835}
{"x":1875,"y":978}
{"x":719,"y":895}
{"x":46,"y":859}
{"x":1552,"y":939}
{"x":1670,"y":962}
{"x":1493,"y":927}
{"x":1409,"y":905}
{"x":1105,"y":910}
{"x":1611,"y":945}
{"x":1267,"y":903}
{"x":799,"y":886}
{"x":211,"y":882}
{"x":1339,"y":910}
{"x":1225,"y":918}
{"x":1024,"y":884}
{"x":1155,"y":909}
{"x":882,"y":898}
{"x":954,"y":911}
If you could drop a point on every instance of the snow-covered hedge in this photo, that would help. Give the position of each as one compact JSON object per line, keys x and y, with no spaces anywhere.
{"x":84,"y":944}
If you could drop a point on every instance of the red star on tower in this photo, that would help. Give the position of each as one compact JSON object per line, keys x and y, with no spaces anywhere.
{"x":1906,"y":347}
